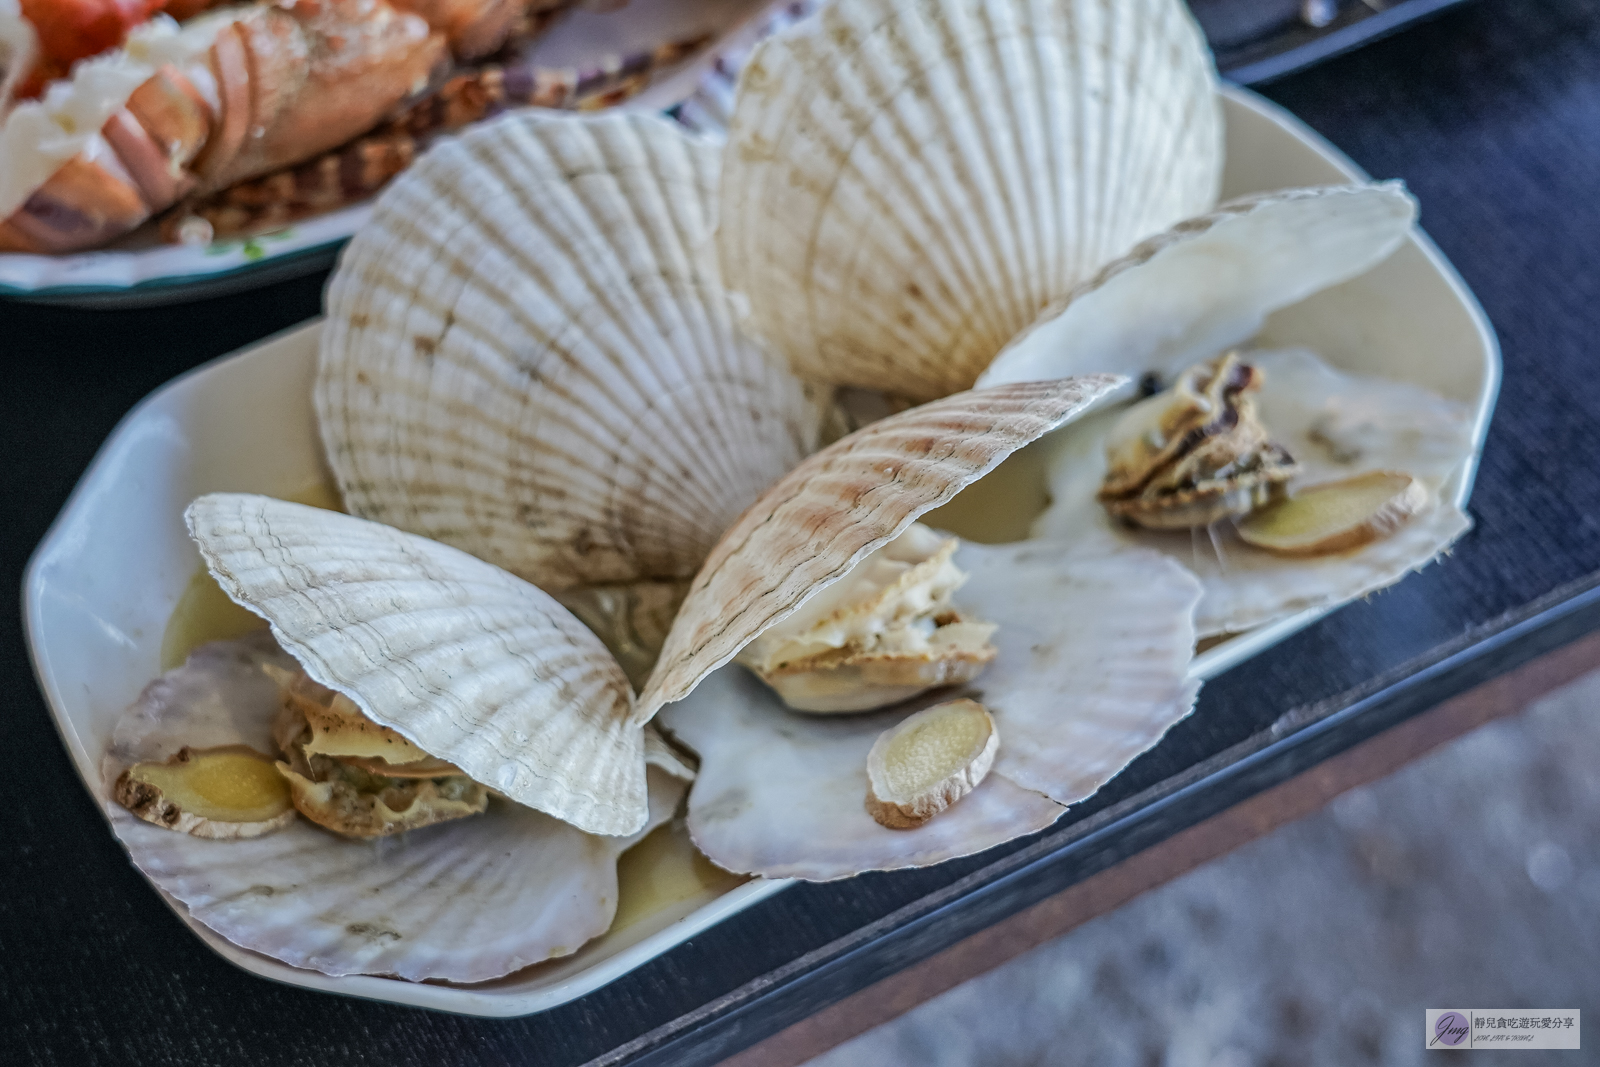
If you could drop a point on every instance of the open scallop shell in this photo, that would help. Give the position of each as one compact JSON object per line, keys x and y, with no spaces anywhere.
{"x":530,"y":355}
{"x":1092,"y":670}
{"x":465,"y":902}
{"x":907,"y":185}
{"x":1335,"y":425}
{"x":467,"y":661}
{"x":1208,"y":284}
{"x":822,"y":518}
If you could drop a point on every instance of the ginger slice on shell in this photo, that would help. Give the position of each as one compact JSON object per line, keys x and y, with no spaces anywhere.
{"x":224,"y":793}
{"x":1336,"y":516}
{"x":928,"y":762}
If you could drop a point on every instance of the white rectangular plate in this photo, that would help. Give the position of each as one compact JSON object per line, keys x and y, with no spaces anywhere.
{"x":103,"y":583}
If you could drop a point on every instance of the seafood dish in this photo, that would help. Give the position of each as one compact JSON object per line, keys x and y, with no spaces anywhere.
{"x":242,"y":119}
{"x":644,"y":441}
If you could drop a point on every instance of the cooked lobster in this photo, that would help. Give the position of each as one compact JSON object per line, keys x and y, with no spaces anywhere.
{"x":65,"y":31}
{"x":355,"y":171}
{"x":272,"y":85}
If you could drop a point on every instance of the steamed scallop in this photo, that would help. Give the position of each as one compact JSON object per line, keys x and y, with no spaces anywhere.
{"x":1090,"y":664}
{"x":465,"y":902}
{"x":466,"y":661}
{"x":888,"y":631}
{"x":1176,"y":306}
{"x":1196,"y":453}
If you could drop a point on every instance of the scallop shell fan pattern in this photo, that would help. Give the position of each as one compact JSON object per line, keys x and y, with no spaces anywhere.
{"x":822,"y":518}
{"x":908,"y":184}
{"x":530,"y":355}
{"x":469,"y":663}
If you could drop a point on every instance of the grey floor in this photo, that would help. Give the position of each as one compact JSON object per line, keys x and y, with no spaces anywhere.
{"x":1470,"y":879}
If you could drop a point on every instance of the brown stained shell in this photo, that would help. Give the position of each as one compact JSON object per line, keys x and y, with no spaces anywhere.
{"x":158,"y":793}
{"x":1196,"y":453}
{"x":530,"y":355}
{"x":470,"y":664}
{"x":907,"y":185}
{"x":826,"y":515}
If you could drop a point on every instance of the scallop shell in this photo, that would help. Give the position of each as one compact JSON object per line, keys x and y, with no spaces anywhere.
{"x":470,"y":663}
{"x":530,"y":355}
{"x":1335,"y":425}
{"x":907,"y":185}
{"x":1209,"y":283}
{"x":465,"y":902}
{"x":1092,"y":670}
{"x":822,"y":518}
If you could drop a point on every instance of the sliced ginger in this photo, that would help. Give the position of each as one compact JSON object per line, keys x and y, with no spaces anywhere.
{"x":1336,"y":516}
{"x":928,"y":762}
{"x":228,"y":792}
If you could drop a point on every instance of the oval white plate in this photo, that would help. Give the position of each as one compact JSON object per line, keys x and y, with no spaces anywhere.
{"x":140,"y":270}
{"x":104,"y":581}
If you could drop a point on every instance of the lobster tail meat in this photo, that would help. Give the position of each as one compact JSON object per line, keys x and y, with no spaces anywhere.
{"x":311,"y":76}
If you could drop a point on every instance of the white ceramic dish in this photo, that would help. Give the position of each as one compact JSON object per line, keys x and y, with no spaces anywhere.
{"x":139,"y":269}
{"x":102,"y":585}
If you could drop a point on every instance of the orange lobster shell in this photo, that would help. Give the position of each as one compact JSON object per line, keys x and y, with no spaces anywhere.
{"x":280,"y":84}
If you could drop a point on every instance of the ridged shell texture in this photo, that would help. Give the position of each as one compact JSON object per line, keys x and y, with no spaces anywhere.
{"x":466,"y":902}
{"x":908,"y":184}
{"x":530,"y":355}
{"x":823,"y":517}
{"x":470,"y":663}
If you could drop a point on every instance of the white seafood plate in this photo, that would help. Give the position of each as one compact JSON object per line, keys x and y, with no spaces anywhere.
{"x":105,"y":580}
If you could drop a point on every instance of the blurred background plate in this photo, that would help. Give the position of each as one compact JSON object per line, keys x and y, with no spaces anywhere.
{"x":140,"y":270}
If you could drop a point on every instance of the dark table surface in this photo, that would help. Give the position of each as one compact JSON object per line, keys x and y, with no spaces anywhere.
{"x":1491,"y":113}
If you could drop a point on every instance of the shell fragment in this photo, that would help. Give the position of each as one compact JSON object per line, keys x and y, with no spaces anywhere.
{"x":929,"y":761}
